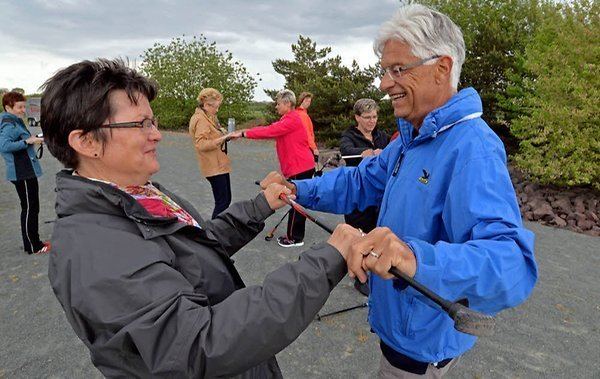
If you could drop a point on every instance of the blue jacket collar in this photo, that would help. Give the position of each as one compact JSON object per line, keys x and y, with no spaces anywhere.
{"x":11,"y":116}
{"x":463,"y":104}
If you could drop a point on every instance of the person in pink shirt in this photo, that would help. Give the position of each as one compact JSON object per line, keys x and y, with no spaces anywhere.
{"x":304,"y":102}
{"x":294,"y":153}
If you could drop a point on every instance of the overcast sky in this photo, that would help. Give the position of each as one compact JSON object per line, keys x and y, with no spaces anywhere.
{"x":39,"y":37}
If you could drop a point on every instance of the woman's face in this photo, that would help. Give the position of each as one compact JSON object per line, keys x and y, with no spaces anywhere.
{"x":283,"y":107}
{"x":18,"y":109}
{"x":129,"y":156}
{"x":366,"y":121}
{"x":212,"y":107}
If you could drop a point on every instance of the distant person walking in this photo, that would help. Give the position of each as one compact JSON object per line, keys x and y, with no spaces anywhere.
{"x":295,"y":156}
{"x":22,"y":168}
{"x":304,"y":102}
{"x":210,"y":141}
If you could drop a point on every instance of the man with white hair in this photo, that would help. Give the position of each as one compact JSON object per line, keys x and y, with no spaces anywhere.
{"x":449,"y":215}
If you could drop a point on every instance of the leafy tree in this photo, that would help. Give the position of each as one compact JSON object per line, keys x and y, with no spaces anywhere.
{"x":335,"y":87}
{"x":558,"y":98}
{"x":495,"y":33}
{"x":183,"y":67}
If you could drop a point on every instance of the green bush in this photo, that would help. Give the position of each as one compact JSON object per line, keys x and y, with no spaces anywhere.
{"x":495,"y":31}
{"x":558,"y":98}
{"x":183,"y":67}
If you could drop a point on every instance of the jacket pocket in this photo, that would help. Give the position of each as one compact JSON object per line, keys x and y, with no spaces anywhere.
{"x":423,"y":318}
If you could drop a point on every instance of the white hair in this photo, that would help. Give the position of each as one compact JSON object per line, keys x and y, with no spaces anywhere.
{"x":286,"y":95}
{"x":427,"y":32}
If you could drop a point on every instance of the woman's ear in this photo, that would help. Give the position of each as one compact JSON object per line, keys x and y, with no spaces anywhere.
{"x":356,"y":118}
{"x":84,"y":144}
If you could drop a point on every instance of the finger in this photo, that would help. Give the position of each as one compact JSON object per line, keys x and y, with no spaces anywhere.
{"x":357,"y":250}
{"x":267,"y":180}
{"x":355,"y":266}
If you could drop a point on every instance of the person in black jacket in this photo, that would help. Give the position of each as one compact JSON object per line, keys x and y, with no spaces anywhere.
{"x":365,"y":140}
{"x":145,"y":282}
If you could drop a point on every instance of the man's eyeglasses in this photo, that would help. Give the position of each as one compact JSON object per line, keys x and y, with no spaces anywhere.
{"x":397,"y":71}
{"x":145,"y":124}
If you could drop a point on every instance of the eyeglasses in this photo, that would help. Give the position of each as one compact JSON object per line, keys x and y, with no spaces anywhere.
{"x":369,"y":118}
{"x":397,"y":71}
{"x":145,"y":124}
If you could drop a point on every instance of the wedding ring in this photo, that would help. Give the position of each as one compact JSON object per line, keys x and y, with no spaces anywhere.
{"x":374,"y":254}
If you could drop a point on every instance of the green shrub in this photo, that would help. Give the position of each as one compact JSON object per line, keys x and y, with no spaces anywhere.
{"x":183,"y":67}
{"x":558,"y":99}
{"x":495,"y":31}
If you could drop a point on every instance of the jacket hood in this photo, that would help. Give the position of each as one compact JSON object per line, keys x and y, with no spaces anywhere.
{"x":464,"y":103}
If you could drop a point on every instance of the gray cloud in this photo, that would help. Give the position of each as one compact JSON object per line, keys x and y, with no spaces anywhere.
{"x":255,"y":32}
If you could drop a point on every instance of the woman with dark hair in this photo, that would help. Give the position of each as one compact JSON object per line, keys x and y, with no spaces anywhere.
{"x":145,"y":282}
{"x":210,"y":142}
{"x":22,"y":168}
{"x":365,"y":140}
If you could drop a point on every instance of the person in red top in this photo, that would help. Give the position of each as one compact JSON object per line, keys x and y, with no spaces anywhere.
{"x":304,"y":102}
{"x":295,"y":156}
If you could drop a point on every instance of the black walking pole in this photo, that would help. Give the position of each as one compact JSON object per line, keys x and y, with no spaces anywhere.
{"x":466,"y":320}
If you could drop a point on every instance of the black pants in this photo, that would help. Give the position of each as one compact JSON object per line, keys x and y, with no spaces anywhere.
{"x":221,"y":188}
{"x":365,"y":220}
{"x":297,"y":222}
{"x":28,"y":191}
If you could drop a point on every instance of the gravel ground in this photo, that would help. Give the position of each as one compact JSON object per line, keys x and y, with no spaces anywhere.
{"x":554,"y":334}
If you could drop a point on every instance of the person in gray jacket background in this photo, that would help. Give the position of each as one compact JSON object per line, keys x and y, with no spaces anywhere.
{"x":146,"y":284}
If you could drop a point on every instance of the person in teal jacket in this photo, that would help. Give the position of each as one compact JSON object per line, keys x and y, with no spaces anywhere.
{"x":449,"y":215}
{"x":22,"y":168}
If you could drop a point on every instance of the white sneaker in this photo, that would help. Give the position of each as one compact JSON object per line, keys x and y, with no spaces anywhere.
{"x":285,"y":242}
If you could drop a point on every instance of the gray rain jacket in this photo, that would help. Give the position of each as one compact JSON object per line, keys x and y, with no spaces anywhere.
{"x":153,"y":297}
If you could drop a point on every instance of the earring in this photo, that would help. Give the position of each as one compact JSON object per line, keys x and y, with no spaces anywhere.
{"x":95,"y":154}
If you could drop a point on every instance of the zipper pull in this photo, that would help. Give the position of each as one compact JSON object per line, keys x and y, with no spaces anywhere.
{"x":397,"y":166}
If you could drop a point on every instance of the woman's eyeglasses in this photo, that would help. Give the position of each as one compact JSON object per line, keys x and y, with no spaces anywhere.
{"x":145,"y":124}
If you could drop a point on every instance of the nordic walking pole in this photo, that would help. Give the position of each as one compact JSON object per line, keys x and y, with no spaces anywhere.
{"x":466,"y":320}
{"x":269,"y":236}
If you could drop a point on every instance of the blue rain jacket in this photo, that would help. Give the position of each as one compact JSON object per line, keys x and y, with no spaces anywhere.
{"x":20,"y":159}
{"x":448,"y":194}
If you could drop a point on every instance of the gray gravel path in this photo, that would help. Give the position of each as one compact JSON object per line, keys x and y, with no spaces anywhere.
{"x":555,"y":334}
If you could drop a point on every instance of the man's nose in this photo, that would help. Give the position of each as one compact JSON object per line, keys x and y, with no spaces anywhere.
{"x":386,"y":82}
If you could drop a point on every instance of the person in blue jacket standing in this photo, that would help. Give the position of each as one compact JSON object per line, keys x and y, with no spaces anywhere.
{"x":22,"y":168}
{"x":449,"y":215}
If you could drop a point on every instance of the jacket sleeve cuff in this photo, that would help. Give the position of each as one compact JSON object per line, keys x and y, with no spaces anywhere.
{"x":302,"y":191}
{"x":330,"y":258}
{"x":427,"y":272}
{"x":262,"y":207}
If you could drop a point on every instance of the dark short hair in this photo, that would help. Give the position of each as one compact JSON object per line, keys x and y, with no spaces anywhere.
{"x":10,"y":98}
{"x":77,"y":98}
